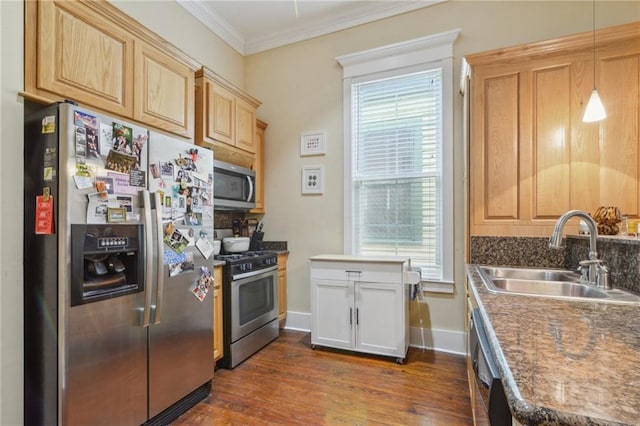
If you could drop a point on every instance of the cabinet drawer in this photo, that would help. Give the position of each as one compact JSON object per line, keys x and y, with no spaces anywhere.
{"x":356,"y":271}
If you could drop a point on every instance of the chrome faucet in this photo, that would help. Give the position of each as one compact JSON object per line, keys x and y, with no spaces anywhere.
{"x":593,"y":271}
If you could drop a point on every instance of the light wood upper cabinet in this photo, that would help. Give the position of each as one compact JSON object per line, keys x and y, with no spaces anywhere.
{"x":245,"y":126}
{"x":80,"y":56}
{"x":218,"y":104}
{"x":531,"y":157}
{"x":92,"y":53}
{"x":225,"y":115}
{"x":258,"y":166}
{"x":166,"y":91}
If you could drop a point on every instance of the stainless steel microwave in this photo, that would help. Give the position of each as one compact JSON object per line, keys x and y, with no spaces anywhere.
{"x":233,"y":187}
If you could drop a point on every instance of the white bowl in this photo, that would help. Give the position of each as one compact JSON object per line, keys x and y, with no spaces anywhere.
{"x":216,"y":247}
{"x":235,"y":244}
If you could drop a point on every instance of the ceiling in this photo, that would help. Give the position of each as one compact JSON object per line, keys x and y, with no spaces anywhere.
{"x":251,"y":26}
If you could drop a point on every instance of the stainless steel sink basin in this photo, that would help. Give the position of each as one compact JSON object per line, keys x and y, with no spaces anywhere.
{"x":548,"y":288}
{"x":555,"y":283}
{"x":531,"y":274}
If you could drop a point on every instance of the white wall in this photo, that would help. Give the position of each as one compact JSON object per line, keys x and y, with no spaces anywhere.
{"x":172,"y":22}
{"x":301,"y":89}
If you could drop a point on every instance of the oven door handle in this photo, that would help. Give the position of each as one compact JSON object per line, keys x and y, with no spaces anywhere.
{"x":250,"y":274}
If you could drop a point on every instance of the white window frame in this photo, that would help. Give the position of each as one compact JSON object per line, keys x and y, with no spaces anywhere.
{"x":430,"y":51}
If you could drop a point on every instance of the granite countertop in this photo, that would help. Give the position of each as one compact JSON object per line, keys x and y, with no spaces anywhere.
{"x":564,"y":362}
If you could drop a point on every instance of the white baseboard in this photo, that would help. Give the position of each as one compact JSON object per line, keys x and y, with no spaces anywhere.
{"x":300,"y":321}
{"x":424,"y":338}
{"x":438,"y":340}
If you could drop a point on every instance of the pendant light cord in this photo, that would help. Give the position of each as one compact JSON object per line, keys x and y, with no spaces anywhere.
{"x":593,"y":13}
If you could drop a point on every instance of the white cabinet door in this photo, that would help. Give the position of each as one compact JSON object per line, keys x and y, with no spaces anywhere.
{"x":380,"y":318}
{"x":332,"y":313}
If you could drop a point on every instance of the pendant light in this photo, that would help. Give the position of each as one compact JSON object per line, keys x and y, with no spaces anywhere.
{"x":595,"y":109}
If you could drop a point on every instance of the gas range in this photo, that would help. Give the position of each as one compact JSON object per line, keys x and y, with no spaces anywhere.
{"x":238,"y":263}
{"x":250,"y":303}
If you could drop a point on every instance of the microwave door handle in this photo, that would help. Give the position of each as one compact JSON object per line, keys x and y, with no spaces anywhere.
{"x":250,"y":188}
{"x":148,"y":239}
{"x":159,"y":264}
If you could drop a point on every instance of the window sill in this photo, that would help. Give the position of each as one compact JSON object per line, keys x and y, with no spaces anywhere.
{"x":446,"y":287}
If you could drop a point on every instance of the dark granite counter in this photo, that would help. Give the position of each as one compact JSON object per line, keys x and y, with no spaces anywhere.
{"x":564,"y":362}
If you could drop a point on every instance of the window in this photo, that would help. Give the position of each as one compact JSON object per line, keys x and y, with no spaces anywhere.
{"x":398,"y":154}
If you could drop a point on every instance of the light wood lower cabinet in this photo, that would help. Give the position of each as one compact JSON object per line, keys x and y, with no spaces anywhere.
{"x":282,"y":288}
{"x":218,"y":345}
{"x":531,"y":157}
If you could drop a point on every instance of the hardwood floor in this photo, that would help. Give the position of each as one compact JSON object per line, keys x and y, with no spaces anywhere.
{"x":289,"y":383}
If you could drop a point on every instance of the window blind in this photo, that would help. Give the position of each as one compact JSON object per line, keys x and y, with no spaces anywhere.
{"x":397,"y":168}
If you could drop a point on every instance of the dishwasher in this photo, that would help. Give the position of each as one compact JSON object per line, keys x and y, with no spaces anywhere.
{"x":486,"y":377}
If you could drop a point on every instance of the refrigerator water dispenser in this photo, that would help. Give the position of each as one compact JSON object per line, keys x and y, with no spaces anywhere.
{"x":107,"y":261}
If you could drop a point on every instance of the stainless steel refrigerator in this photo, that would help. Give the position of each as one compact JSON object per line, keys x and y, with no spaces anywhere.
{"x":118,"y":248}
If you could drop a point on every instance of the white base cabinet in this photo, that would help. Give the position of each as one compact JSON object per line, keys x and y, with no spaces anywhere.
{"x":360,"y":304}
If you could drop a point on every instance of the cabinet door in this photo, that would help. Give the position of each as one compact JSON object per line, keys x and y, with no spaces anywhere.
{"x":332,"y":314}
{"x":282,"y":287}
{"x":245,"y":126}
{"x":380,"y":318}
{"x":218,"y":349}
{"x":220,"y":119}
{"x":218,"y":345}
{"x":165,"y":90}
{"x":84,"y":57}
{"x":258,"y":167}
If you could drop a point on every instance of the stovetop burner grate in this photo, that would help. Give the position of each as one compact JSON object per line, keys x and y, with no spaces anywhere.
{"x":244,"y":255}
{"x":247,"y":261}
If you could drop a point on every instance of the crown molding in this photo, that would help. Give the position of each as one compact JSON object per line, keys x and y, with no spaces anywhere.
{"x":302,"y":31}
{"x":215,"y":23}
{"x":330,"y":24}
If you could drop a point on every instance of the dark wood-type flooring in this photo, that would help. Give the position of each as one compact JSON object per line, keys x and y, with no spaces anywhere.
{"x":289,"y":383}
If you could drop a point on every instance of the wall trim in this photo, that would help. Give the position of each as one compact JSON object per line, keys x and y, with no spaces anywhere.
{"x":299,"y":321}
{"x":438,"y":340}
{"x":423,"y":338}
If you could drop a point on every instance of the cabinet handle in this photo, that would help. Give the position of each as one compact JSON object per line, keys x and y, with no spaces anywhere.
{"x":350,"y":316}
{"x":357,"y":316}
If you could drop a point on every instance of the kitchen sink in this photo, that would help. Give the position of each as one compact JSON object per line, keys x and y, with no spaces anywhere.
{"x":531,"y":274}
{"x":554,"y":283}
{"x":548,"y":288}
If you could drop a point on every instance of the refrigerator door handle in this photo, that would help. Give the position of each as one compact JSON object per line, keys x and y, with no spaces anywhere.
{"x":249,"y":179}
{"x":159,"y":260}
{"x":148,"y":241}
